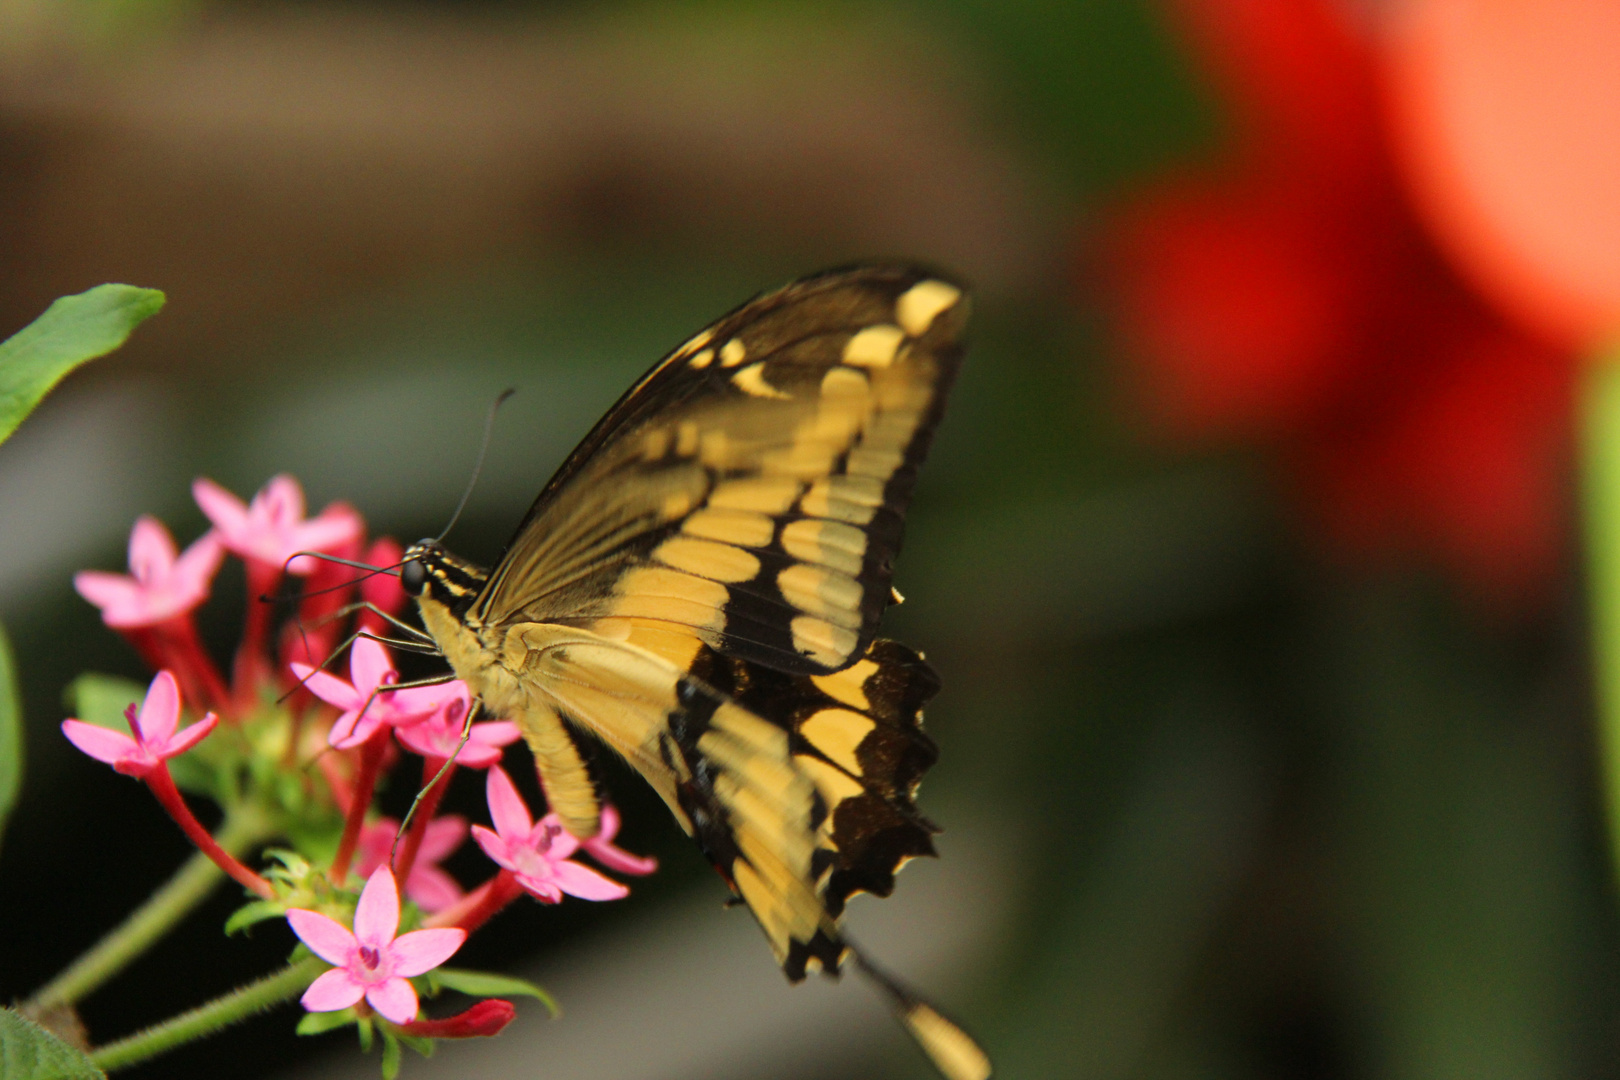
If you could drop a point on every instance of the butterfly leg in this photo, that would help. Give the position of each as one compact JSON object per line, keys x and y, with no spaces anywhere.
{"x":442,"y":776}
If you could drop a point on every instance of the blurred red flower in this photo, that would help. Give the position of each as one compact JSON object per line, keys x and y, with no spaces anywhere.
{"x":1507,"y":122}
{"x":1288,"y":294}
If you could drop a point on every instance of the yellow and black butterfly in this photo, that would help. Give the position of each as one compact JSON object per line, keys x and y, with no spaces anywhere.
{"x":699,"y":587}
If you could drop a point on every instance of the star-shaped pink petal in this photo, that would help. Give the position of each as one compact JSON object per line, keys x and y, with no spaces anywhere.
{"x":155,"y":739}
{"x":429,"y":886}
{"x":161,"y":583}
{"x":272,"y":528}
{"x":601,"y":848}
{"x":366,"y":700}
{"x":369,"y":961}
{"x":440,"y":735}
{"x":537,"y":854}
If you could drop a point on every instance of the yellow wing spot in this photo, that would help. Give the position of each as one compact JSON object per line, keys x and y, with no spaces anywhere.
{"x":702,"y":359}
{"x":655,"y":444}
{"x":678,"y":648}
{"x":834,"y":784}
{"x":733,"y":353}
{"x":821,"y":641}
{"x":675,"y":504}
{"x":668,"y":595}
{"x":836,"y":421}
{"x":757,"y":734}
{"x":765,"y":494}
{"x":805,"y":459}
{"x":830,"y":543}
{"x":849,"y":685}
{"x":751,"y":380}
{"x":715,"y":449}
{"x":838,"y":733}
{"x":686,"y":438}
{"x":844,"y":382}
{"x":878,"y":462}
{"x":827,"y":593}
{"x":721,"y":562}
{"x":743,"y":527}
{"x":921,"y":304}
{"x":952,"y":1049}
{"x":874,"y":347}
{"x":762,"y":903}
{"x":854,"y":499}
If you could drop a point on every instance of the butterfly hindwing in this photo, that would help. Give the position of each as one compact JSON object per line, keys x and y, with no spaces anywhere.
{"x":858,"y":735}
{"x":798,"y":788}
{"x":751,"y":489}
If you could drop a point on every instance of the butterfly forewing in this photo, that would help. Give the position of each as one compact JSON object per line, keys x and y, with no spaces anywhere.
{"x":749,"y":492}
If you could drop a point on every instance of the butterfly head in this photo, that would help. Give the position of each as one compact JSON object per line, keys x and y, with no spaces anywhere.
{"x":428,"y":571}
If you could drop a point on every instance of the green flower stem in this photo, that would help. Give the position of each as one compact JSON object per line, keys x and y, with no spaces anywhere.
{"x":1600,"y":451}
{"x":244,"y":827}
{"x":223,"y":1011}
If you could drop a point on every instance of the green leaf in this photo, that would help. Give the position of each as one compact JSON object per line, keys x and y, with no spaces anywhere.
{"x":11,"y":735}
{"x":101,"y":699}
{"x":391,"y":1055}
{"x":419,"y":1043}
{"x":366,"y":1030}
{"x":319,"y":1023}
{"x":29,"y":1052}
{"x":72,"y":330}
{"x":488,"y":984}
{"x":249,"y":914}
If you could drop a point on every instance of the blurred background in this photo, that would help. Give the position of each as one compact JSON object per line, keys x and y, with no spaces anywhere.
{"x":1247,"y":549}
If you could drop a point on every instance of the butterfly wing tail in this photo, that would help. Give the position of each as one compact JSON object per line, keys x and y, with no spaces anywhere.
{"x":955,"y":1053}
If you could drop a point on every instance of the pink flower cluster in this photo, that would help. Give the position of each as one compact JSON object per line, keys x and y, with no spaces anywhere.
{"x":366,"y":720}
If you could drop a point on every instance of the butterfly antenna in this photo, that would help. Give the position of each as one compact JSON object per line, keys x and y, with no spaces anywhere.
{"x":391,"y":570}
{"x":478,"y":466}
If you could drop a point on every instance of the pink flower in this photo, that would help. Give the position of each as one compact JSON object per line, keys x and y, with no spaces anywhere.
{"x":430,"y":887}
{"x":155,"y":738}
{"x":439,"y":736}
{"x":271,"y":528}
{"x":537,"y":854}
{"x":600,"y":847}
{"x":366,"y":700}
{"x":160,"y":585}
{"x":370,"y":962}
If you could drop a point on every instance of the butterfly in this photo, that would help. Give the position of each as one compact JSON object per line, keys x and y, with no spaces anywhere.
{"x":699,"y":588}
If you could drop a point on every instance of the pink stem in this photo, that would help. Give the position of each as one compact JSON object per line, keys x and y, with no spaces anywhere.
{"x":174,"y":644}
{"x":365,"y":782}
{"x":424,"y":815}
{"x":162,"y":786}
{"x":339,"y":785}
{"x":480,"y":905}
{"x":252,"y":668}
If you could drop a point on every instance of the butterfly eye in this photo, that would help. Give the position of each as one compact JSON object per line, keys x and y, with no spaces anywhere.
{"x":413,"y":576}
